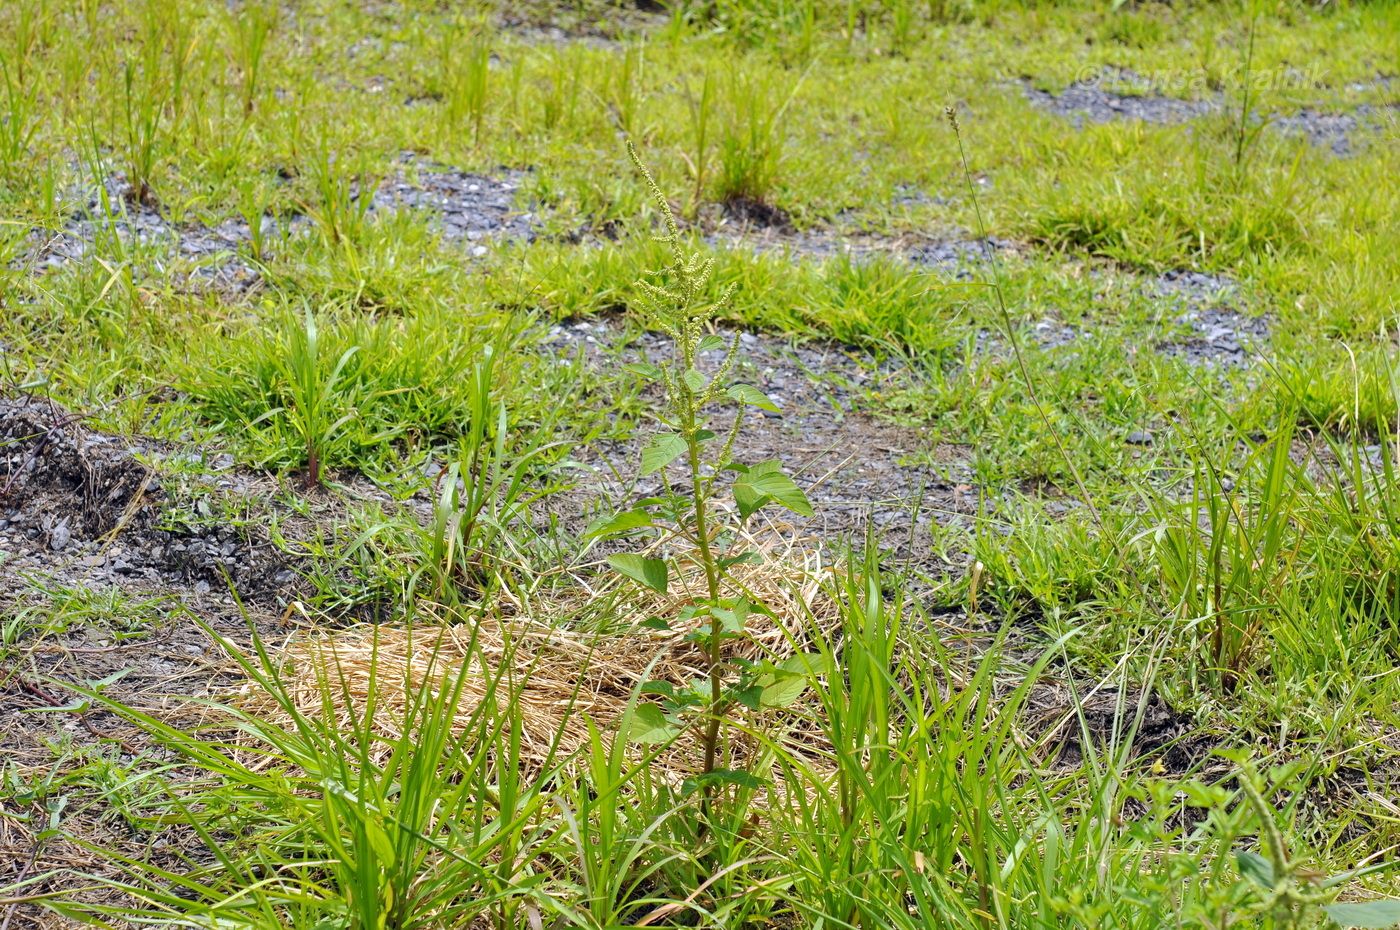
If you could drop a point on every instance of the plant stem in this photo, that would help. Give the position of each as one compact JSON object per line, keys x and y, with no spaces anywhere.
{"x":707,"y":561}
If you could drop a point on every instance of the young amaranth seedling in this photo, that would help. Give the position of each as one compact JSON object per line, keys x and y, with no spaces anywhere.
{"x":678,"y":302}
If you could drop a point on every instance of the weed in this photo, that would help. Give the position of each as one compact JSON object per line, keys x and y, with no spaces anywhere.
{"x":311,"y":381}
{"x":751,"y":137}
{"x":625,"y":94}
{"x":483,"y":495}
{"x":1224,"y":555}
{"x":678,"y":305}
{"x":249,"y":29}
{"x":1288,"y":890}
{"x":701,"y":106}
{"x":343,"y":197}
{"x":465,"y":77}
{"x":144,"y":102}
{"x":18,"y":122}
{"x":252,"y":207}
{"x":361,"y":831}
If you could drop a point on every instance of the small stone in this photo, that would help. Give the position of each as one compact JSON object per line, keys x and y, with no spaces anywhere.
{"x":1139,"y":437}
{"x":478,"y":251}
{"x":59,"y":536}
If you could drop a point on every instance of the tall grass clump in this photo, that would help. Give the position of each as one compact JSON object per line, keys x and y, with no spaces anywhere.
{"x":312,"y":382}
{"x":322,"y":816}
{"x":484,"y":494}
{"x":19,"y":120}
{"x":1227,"y":552}
{"x":249,"y":30}
{"x":464,"y":75}
{"x":752,"y":136}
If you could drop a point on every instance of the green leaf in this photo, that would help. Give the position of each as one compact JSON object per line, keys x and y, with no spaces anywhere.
{"x":694,"y":380}
{"x":645,"y":369}
{"x":662,"y":450}
{"x":651,"y":572}
{"x":784,"y":691}
{"x":1255,"y":868}
{"x":785,"y":684}
{"x":752,"y":396}
{"x":750,"y":697}
{"x":658,"y":686}
{"x":764,"y":484}
{"x":730,"y":621}
{"x":744,"y":558}
{"x":649,"y":725}
{"x":710,"y":342}
{"x":617,"y":523}
{"x":379,"y":841}
{"x":1378,"y":914}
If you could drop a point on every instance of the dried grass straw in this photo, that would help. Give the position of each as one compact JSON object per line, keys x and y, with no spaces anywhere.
{"x":558,"y":679}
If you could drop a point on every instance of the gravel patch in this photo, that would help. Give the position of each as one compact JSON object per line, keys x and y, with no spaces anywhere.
{"x":856,"y":469}
{"x":1100,"y":100}
{"x":466,"y":208}
{"x":1220,"y":334}
{"x":1339,"y":132}
{"x":956,"y":257}
{"x":1092,"y":101}
{"x":215,"y":253}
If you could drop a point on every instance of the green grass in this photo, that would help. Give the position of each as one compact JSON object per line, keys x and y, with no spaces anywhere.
{"x":1220,"y":535}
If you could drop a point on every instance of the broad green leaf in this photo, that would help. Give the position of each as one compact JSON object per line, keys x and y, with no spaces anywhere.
{"x":649,"y":725}
{"x":658,"y":686}
{"x":617,"y":523}
{"x":651,"y":572}
{"x":662,"y":450}
{"x":645,"y":369}
{"x":1255,"y":868}
{"x":730,"y":621}
{"x":750,"y":697}
{"x":752,"y":396}
{"x":710,"y":342}
{"x":765,"y":483}
{"x":783,"y":686}
{"x":784,"y":690}
{"x":694,"y":380}
{"x":1379,"y":914}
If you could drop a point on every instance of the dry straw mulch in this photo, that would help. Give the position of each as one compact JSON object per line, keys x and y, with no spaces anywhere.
{"x":559,"y":680}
